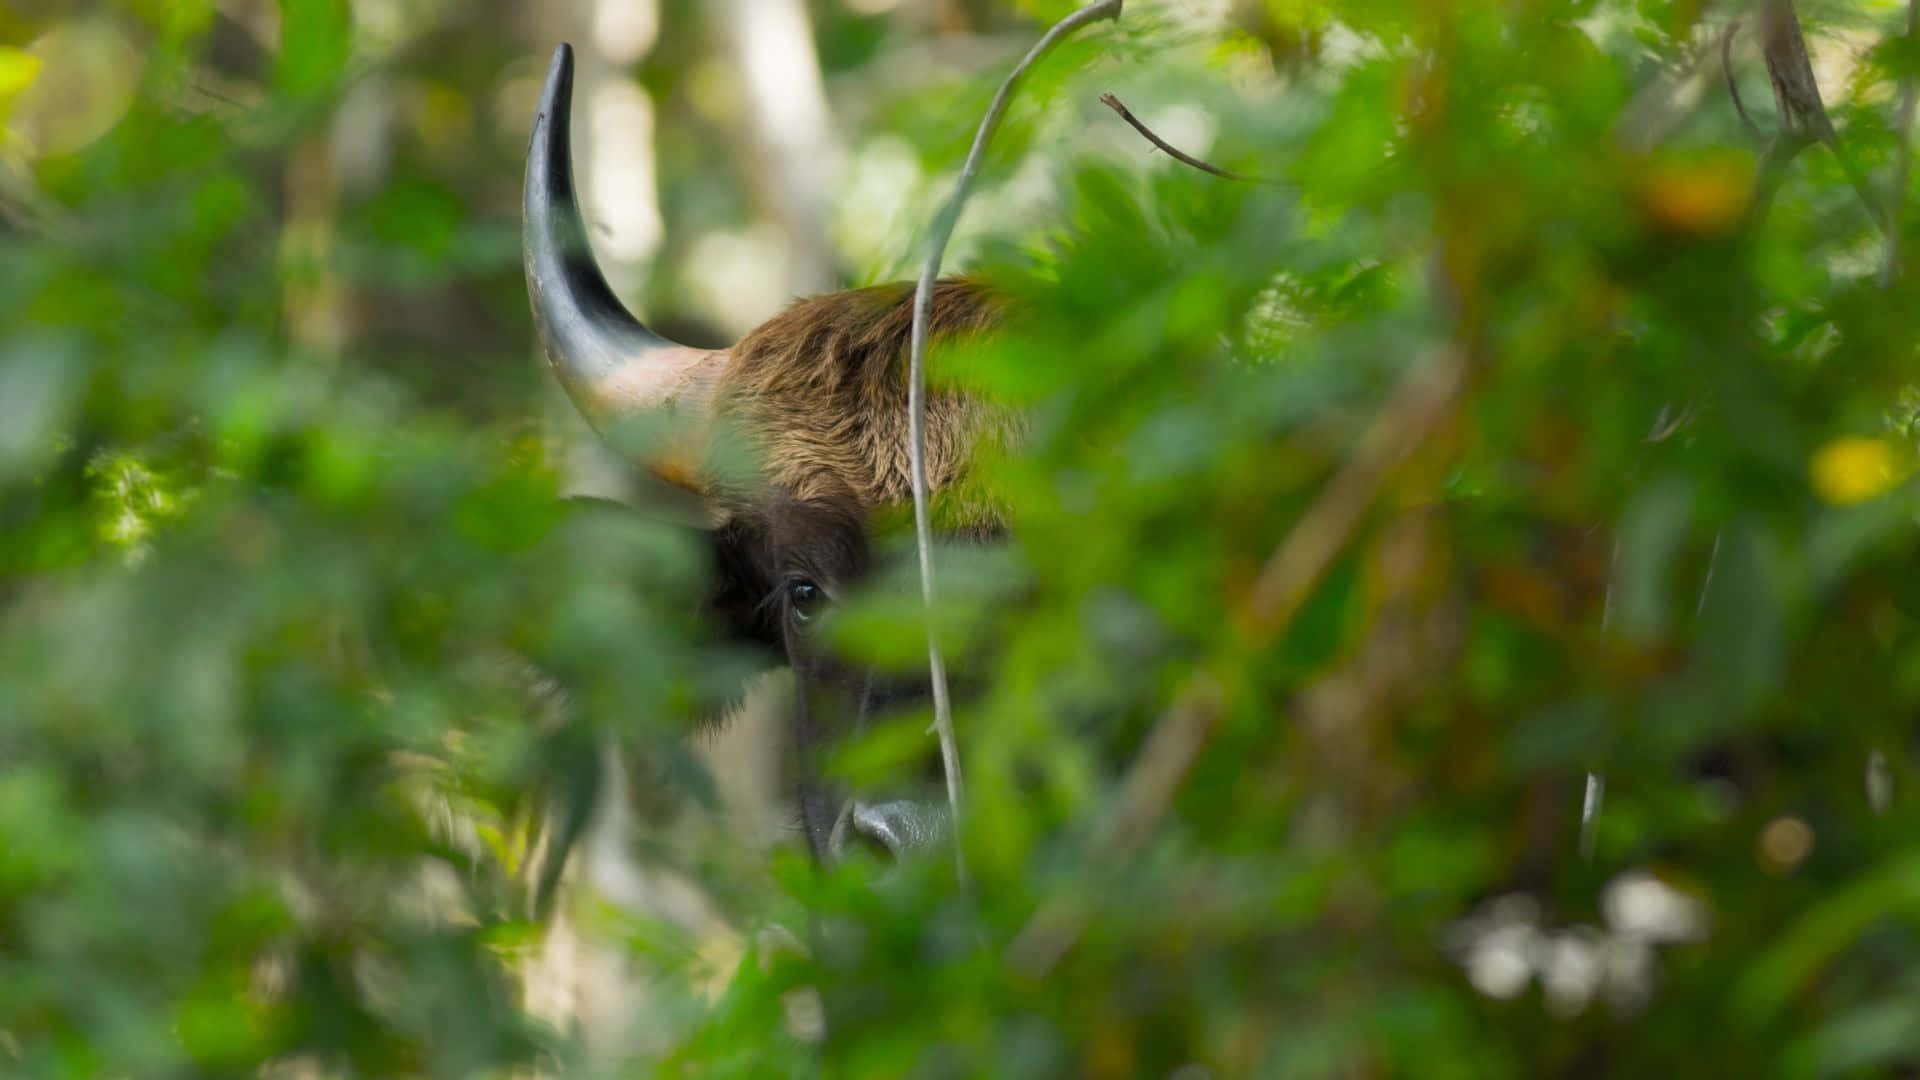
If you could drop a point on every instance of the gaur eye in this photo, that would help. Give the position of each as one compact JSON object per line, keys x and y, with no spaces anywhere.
{"x":805,"y":599}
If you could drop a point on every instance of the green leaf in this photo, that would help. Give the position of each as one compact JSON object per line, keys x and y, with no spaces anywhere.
{"x":316,"y":39}
{"x":1651,"y":533}
{"x":1742,"y":633}
{"x":1829,"y":927}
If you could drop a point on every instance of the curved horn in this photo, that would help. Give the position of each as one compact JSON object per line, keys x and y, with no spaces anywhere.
{"x":611,"y":365}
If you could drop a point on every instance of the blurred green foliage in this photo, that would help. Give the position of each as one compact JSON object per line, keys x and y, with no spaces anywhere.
{"x":281,"y":528}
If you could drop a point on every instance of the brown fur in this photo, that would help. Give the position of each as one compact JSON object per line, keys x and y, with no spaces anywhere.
{"x":822,"y":388}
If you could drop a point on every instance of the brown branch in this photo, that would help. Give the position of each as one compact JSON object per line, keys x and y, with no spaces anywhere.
{"x":1903,"y":126}
{"x":1803,"y":118}
{"x":1733,"y":85}
{"x":1790,"y":72}
{"x":1171,"y":150}
{"x":1426,"y":393}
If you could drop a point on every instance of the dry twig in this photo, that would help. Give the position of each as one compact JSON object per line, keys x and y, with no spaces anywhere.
{"x":917,"y":383}
{"x":1171,"y":150}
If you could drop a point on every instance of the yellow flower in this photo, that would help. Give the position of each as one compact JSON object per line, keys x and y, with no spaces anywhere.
{"x":1853,"y":469}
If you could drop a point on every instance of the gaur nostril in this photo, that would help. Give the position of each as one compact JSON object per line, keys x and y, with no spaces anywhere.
{"x":877,"y":844}
{"x":851,"y":834}
{"x":886,"y":830}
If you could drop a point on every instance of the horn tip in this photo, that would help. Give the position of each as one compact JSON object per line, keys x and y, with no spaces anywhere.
{"x":559,"y":78}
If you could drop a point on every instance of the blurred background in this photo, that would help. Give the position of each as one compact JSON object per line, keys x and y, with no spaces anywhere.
{"x":1586,"y":748}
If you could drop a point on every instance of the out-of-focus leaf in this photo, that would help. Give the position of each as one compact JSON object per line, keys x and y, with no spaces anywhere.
{"x":84,"y":82}
{"x":1829,"y":927}
{"x":1743,"y":623}
{"x":316,"y":39}
{"x":41,"y":377}
{"x":1697,"y":196}
{"x":1651,"y":533}
{"x":1882,"y":1036}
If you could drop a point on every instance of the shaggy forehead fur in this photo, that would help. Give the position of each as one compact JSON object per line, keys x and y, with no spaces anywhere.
{"x":822,"y":388}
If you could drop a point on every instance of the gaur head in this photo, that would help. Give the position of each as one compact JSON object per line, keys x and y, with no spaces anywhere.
{"x":818,"y":394}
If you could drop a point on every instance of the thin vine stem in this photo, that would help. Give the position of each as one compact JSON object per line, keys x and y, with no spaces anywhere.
{"x":941,"y":232}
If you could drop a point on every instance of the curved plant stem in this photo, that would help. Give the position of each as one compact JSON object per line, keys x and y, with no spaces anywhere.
{"x":917,"y":384}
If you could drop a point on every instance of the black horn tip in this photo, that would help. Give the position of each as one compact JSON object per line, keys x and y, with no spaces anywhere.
{"x":559,"y":81}
{"x":587,"y":334}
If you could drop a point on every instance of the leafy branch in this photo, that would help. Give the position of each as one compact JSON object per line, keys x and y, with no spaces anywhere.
{"x":1425,"y":395}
